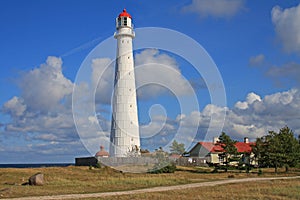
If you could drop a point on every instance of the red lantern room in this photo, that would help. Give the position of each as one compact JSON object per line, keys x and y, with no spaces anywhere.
{"x":124,"y":20}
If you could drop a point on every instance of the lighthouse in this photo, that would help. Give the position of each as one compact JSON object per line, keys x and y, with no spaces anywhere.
{"x":124,"y":136}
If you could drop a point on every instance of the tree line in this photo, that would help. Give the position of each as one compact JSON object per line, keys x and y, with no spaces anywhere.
{"x":276,"y":150}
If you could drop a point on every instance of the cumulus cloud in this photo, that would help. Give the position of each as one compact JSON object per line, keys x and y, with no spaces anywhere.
{"x":50,"y":128}
{"x":257,"y":60}
{"x":158,"y":73}
{"x":251,"y":98}
{"x":286,"y":22}
{"x":14,"y":107}
{"x":42,"y":113}
{"x":258,"y":115}
{"x":45,"y":87}
{"x":253,"y":119}
{"x":215,"y":8}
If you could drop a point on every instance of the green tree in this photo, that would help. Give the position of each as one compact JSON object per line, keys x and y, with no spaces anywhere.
{"x":258,"y":149}
{"x":278,"y":149}
{"x":290,"y":149}
{"x":177,"y":148}
{"x":229,"y":150}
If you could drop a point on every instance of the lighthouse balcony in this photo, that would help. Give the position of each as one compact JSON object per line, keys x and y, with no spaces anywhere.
{"x":124,"y":32}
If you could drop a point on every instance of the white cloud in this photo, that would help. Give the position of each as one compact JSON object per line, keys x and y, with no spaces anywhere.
{"x":53,"y":124}
{"x":254,"y":120}
{"x":251,"y":97}
{"x":45,"y":87}
{"x":263,"y":114}
{"x":257,"y":60}
{"x":215,"y":8}
{"x":286,"y":22}
{"x":43,"y":110}
{"x":15,"y":107}
{"x":157,"y":73}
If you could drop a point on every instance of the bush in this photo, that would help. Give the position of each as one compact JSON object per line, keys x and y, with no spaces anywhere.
{"x":98,"y":165}
{"x":170,"y":168}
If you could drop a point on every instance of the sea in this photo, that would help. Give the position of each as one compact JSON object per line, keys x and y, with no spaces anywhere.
{"x":36,"y":165}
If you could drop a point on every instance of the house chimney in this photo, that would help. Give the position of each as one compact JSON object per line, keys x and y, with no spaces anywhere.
{"x":215,"y":140}
{"x":246,"y":140}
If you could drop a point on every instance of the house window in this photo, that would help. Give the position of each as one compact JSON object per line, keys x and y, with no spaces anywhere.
{"x":221,"y":159}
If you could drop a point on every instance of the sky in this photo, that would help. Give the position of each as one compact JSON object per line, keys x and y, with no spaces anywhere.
{"x":51,"y":51}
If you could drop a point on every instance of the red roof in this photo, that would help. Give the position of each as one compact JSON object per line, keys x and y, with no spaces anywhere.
{"x":214,"y":148}
{"x":124,"y":14}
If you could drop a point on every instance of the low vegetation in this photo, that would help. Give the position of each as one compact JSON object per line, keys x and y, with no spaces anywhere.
{"x":69,"y":180}
{"x":279,"y":189}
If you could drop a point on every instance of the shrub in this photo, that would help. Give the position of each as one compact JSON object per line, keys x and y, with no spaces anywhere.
{"x":170,"y":168}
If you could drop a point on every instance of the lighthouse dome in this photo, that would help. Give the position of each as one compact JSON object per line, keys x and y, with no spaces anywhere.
{"x":124,"y":14}
{"x":102,"y":152}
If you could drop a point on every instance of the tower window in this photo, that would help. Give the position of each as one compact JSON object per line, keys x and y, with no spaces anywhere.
{"x":130,"y":106}
{"x":125,"y":21}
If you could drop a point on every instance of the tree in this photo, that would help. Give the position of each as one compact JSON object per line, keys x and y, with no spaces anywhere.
{"x":278,"y":149}
{"x":289,"y":146}
{"x":229,"y":149}
{"x":257,"y":149}
{"x":177,"y":148}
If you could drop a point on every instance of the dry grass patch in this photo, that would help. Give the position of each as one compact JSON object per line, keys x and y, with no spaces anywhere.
{"x":68,"y":180}
{"x":75,"y":180}
{"x":273,"y":190}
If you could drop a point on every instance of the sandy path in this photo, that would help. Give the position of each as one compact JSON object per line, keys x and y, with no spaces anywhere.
{"x":154,"y":189}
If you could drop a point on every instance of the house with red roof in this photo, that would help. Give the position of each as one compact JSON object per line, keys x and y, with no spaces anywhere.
{"x":211,"y":151}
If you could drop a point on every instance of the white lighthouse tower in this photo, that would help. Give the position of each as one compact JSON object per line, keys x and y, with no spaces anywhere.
{"x":124,"y":137}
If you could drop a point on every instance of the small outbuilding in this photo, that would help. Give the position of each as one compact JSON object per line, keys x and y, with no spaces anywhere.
{"x":102,"y":152}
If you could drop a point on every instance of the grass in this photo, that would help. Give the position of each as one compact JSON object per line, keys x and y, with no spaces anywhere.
{"x":69,"y":180}
{"x":273,"y":190}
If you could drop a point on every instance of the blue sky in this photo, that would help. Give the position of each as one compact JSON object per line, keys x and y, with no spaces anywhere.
{"x":254,"y":44}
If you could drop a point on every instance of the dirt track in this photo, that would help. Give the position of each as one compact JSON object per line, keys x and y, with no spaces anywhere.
{"x":154,"y":189}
